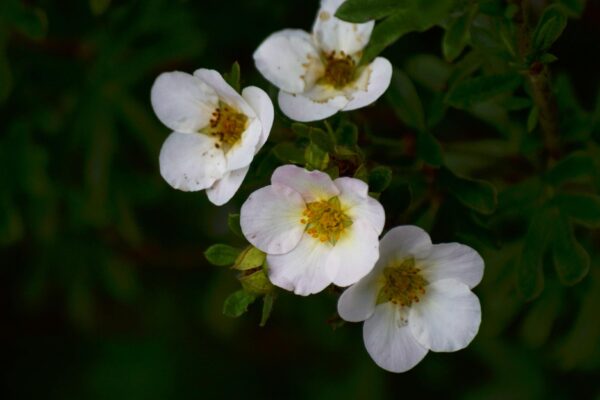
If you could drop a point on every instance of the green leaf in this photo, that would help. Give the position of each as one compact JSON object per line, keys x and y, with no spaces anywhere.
{"x":233,"y":222}
{"x":256,"y":282}
{"x":456,"y":35}
{"x":316,"y":158}
{"x":548,"y":58}
{"x":233,"y":77}
{"x":429,"y":149}
{"x":99,"y":6}
{"x":379,"y":179}
{"x":237,"y":303}
{"x":362,"y":173}
{"x":321,"y":139}
{"x":582,"y":208}
{"x":287,"y":152}
{"x":31,"y":21}
{"x":221,"y":254}
{"x":268,"y":301}
{"x":476,"y":194}
{"x":347,"y":134}
{"x":359,"y":11}
{"x":429,"y":71}
{"x":405,"y":100}
{"x":573,"y":7}
{"x":576,"y":165}
{"x":549,"y":28}
{"x":530,"y":274}
{"x":532,"y":119}
{"x":475,"y":90}
{"x":249,"y":258}
{"x":571,"y":260}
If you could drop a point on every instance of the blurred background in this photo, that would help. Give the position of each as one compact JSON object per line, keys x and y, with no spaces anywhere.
{"x":105,"y":291}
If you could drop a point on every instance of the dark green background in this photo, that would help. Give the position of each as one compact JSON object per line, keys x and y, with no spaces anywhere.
{"x":105,"y":293}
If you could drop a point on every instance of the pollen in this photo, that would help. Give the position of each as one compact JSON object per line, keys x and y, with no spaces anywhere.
{"x":325,"y":220}
{"x":340,"y":69}
{"x":227,"y":125}
{"x":404,"y":284}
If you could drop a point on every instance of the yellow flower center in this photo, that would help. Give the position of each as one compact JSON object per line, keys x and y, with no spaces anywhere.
{"x":227,"y":124}
{"x":403,"y":284}
{"x":339,"y":70}
{"x":325,"y":220}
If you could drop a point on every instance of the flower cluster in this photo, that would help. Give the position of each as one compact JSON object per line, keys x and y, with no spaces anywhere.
{"x":310,"y":230}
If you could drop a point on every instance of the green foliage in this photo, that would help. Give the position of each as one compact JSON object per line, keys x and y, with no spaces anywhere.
{"x":237,"y":303}
{"x":476,"y":194}
{"x":379,"y":179}
{"x":249,"y":258}
{"x":364,"y":10}
{"x":482,"y":88}
{"x":549,"y":28}
{"x":456,"y":36}
{"x":221,"y":254}
{"x":571,"y":260}
{"x":530,"y":275}
{"x":233,"y":222}
{"x":580,"y":207}
{"x":233,"y":77}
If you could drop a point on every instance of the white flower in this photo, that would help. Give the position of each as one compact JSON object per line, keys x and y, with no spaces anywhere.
{"x":216,"y":134}
{"x":417,"y":298}
{"x":315,"y":231}
{"x":319,"y":75}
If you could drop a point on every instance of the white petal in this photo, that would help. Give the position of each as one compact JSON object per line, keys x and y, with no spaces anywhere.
{"x":289,"y":60}
{"x":301,"y":107}
{"x":402,"y":242}
{"x":263,"y":107}
{"x":182,"y":102}
{"x":307,"y":269}
{"x":333,"y":34}
{"x":357,"y":303}
{"x":312,"y":185}
{"x":191,"y":162}
{"x":373,"y":82}
{"x":242,"y":152}
{"x":358,"y":251}
{"x":225,"y":92}
{"x":356,"y":202}
{"x":453,"y":261}
{"x":448,"y":316}
{"x":224,"y":189}
{"x":270,"y":219}
{"x":389,"y":340}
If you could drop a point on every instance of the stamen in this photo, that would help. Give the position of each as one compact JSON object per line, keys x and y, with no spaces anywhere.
{"x":325,"y":220}
{"x":339,"y":69}
{"x":227,"y":125}
{"x":403,"y":285}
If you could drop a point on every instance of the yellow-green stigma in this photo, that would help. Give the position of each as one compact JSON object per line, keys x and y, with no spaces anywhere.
{"x":227,"y":124}
{"x":403,"y":285}
{"x":339,"y":70}
{"x":325,"y":220}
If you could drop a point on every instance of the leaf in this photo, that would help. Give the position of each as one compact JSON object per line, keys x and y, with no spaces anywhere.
{"x":574,"y":166}
{"x":573,"y":7}
{"x":321,"y":139}
{"x":31,"y":21}
{"x":475,"y":90}
{"x":221,"y":255}
{"x":347,"y":134}
{"x":268,"y":301}
{"x":429,"y":71}
{"x":405,"y":100}
{"x":571,"y":261}
{"x":549,"y":28}
{"x":249,"y":258}
{"x":316,"y":158}
{"x":359,"y":11}
{"x":287,"y":152}
{"x":233,"y":77}
{"x":256,"y":282}
{"x":362,"y":173}
{"x":379,"y":179}
{"x":530,"y":274}
{"x":99,"y":6}
{"x":456,"y":35}
{"x":476,"y":194}
{"x":582,"y":208}
{"x":233,"y":222}
{"x":429,"y":149}
{"x":237,"y":303}
{"x":532,"y":119}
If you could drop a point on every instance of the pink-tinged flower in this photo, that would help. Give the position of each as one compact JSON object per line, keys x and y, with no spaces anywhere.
{"x":216,"y":131}
{"x":417,"y":298}
{"x":315,"y":230}
{"x":319,"y":74}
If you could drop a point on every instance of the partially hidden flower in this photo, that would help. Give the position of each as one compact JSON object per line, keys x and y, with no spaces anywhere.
{"x":216,"y":131}
{"x":319,"y":74}
{"x":315,"y":230}
{"x":417,"y":298}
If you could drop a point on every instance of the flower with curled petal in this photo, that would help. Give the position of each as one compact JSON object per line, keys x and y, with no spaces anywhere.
{"x":320,"y":74}
{"x":216,"y":131}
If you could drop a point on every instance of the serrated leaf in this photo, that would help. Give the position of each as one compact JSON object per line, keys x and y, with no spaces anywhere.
{"x":379,"y":179}
{"x":582,"y":208}
{"x":233,"y":77}
{"x":287,"y":152}
{"x":233,"y":222}
{"x":359,"y":11}
{"x":221,"y":254}
{"x":476,"y":90}
{"x":474,"y":193}
{"x":268,"y":301}
{"x":406,"y":102}
{"x":549,"y":28}
{"x":237,"y":303}
{"x":530,"y":274}
{"x":571,"y":261}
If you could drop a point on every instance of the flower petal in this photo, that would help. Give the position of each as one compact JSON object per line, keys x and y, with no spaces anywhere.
{"x":224,"y":189}
{"x":389,"y":340}
{"x":312,"y":105}
{"x":289,"y":60}
{"x":447,"y":318}
{"x":402,"y":242}
{"x":182,"y":102}
{"x":225,"y":92}
{"x":453,"y":261}
{"x":333,"y":34}
{"x":270,"y":219}
{"x":263,"y":107}
{"x":312,"y":185}
{"x":190,"y":162}
{"x":306,"y":269}
{"x":242,"y":152}
{"x":373,"y":82}
{"x":355,"y":199}
{"x":357,"y":303}
{"x":358,"y":251}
